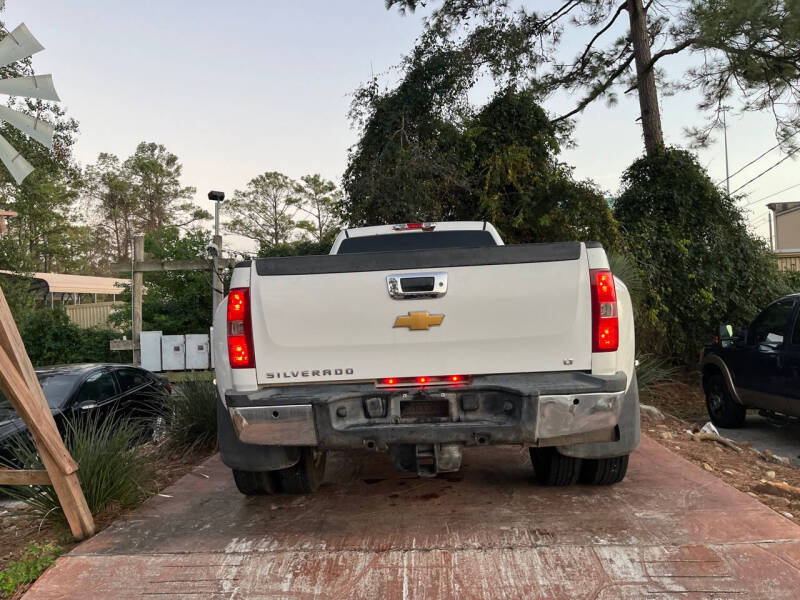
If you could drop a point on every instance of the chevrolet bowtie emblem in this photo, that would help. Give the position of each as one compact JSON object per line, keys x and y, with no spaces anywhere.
{"x":418,"y":321}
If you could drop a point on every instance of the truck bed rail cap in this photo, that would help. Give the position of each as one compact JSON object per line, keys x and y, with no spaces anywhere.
{"x":419,"y":259}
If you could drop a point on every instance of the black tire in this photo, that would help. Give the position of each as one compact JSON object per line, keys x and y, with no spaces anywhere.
{"x":553,"y":468}
{"x":604,"y":471}
{"x":306,"y":476}
{"x":254,"y":483}
{"x":723,"y":410}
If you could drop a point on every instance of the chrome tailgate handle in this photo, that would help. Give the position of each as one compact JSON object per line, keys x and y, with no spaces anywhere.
{"x":410,"y":286}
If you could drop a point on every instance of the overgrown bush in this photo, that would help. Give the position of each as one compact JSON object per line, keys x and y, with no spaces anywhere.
{"x":51,"y":338}
{"x":690,"y":243}
{"x":112,"y":470}
{"x":191,"y":414}
{"x":425,"y":155}
{"x":28,"y":568}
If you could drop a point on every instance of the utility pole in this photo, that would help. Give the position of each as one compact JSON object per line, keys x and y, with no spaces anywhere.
{"x":725,"y":130}
{"x":216,"y":282}
{"x":769,"y":220}
{"x":136,"y":300}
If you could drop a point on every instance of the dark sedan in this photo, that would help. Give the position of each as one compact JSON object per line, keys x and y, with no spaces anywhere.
{"x":96,"y":389}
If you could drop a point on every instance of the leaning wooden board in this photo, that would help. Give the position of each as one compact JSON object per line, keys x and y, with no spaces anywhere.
{"x":20,"y":385}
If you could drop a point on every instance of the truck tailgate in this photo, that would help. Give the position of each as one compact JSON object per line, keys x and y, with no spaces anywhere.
{"x":507,"y":309}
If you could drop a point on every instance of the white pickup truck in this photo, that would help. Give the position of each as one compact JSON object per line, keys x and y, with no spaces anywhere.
{"x":420,"y":339}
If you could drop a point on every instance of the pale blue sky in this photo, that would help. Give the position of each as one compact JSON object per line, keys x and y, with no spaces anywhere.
{"x":237,"y":88}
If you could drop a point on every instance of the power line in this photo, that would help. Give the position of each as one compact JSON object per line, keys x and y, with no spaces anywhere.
{"x":791,"y":187}
{"x":756,"y":159}
{"x":759,"y":157}
{"x":765,"y":171}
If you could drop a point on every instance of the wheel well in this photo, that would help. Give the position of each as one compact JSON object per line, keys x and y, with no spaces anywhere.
{"x":709,"y":370}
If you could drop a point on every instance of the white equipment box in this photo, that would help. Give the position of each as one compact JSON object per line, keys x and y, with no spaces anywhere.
{"x":173,"y":352}
{"x":150,"y":344}
{"x":197,"y":351}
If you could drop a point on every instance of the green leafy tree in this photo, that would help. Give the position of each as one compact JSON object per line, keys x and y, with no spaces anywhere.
{"x":18,"y":295}
{"x":301,"y":247}
{"x":425,"y":156}
{"x":524,"y":190}
{"x":747,"y":52}
{"x":113,"y":203}
{"x":155,"y":175}
{"x":140,"y":195}
{"x":174,"y":302}
{"x":318,"y":199}
{"x":700,"y":265}
{"x":264,"y":212}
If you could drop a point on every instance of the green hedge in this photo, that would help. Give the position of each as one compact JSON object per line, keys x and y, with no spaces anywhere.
{"x":51,"y":338}
{"x":700,"y":264}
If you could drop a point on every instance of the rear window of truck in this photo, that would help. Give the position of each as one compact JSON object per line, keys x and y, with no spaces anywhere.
{"x":424,"y":240}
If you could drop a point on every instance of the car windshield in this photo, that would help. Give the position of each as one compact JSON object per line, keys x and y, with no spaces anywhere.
{"x":57,"y":388}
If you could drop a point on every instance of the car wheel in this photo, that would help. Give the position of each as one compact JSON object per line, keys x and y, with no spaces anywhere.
{"x":254,"y":483}
{"x":306,"y":476}
{"x":553,"y":468}
{"x":604,"y":471}
{"x":723,"y":410}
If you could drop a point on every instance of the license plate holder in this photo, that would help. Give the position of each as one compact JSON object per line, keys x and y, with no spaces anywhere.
{"x":424,"y":409}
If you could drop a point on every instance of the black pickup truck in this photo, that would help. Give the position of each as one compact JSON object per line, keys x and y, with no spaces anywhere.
{"x":756,"y":368}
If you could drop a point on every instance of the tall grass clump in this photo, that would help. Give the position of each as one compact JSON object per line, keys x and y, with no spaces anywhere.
{"x":191,"y":414}
{"x":111,"y":469}
{"x":653,"y":369}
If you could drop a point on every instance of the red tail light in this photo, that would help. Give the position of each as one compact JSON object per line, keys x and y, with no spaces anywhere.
{"x":410,"y":226}
{"x":240,"y":332}
{"x":605,"y":322}
{"x":424,"y":380}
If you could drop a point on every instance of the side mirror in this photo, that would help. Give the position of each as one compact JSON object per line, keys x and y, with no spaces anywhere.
{"x":725,"y":331}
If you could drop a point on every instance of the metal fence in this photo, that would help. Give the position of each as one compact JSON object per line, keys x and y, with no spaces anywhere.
{"x":788,"y":263}
{"x":90,"y":315}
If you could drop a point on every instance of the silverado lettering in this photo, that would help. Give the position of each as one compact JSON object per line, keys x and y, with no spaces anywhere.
{"x":314,"y":373}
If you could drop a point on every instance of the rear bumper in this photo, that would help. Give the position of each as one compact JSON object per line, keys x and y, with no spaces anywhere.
{"x":547,"y":409}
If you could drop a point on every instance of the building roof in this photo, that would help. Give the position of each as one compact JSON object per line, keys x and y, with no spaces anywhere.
{"x":781,"y":207}
{"x":7,"y":213}
{"x":58,"y":283}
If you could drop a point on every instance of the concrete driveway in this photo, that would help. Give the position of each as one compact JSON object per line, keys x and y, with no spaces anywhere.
{"x":670,"y":530}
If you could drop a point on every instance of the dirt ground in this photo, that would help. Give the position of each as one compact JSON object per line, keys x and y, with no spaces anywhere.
{"x":20,"y":529}
{"x":682,"y":398}
{"x":759,"y":474}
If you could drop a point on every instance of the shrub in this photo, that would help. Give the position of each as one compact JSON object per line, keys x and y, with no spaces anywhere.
{"x":51,"y":338}
{"x":28,"y":568}
{"x":111,"y":470}
{"x":692,"y":248}
{"x":191,"y":414}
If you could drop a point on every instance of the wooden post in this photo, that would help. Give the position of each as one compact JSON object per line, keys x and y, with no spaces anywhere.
{"x":137,"y":291}
{"x":20,"y":385}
